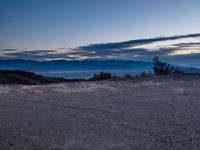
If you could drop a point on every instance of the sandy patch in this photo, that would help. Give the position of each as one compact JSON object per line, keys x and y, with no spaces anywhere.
{"x":33,"y":89}
{"x":179,"y":90}
{"x":83,"y":87}
{"x":4,"y":90}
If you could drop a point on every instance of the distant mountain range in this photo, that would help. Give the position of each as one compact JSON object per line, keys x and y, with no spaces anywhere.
{"x":80,"y":69}
{"x":29,"y":65}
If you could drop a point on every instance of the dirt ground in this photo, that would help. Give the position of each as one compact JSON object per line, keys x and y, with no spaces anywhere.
{"x":141,"y":114}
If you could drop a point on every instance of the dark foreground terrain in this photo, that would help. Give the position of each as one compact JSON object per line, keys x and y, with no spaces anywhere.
{"x":141,"y":114}
{"x":29,"y":78}
{"x":23,"y":77}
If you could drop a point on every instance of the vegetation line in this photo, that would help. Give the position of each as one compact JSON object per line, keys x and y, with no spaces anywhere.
{"x":23,"y":77}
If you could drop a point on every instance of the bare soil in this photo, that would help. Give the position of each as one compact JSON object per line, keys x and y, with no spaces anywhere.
{"x":158,"y":113}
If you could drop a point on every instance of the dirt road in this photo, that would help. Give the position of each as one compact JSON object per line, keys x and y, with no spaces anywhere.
{"x":143,"y":114}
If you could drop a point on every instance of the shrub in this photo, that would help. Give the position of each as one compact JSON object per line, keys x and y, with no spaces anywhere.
{"x":103,"y":76}
{"x":144,"y":74}
{"x":128,"y":76}
{"x":162,"y":68}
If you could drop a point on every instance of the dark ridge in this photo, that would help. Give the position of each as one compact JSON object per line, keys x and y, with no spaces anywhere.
{"x":28,"y":78}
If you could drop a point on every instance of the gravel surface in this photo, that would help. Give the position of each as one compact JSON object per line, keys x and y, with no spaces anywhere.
{"x":143,"y":114}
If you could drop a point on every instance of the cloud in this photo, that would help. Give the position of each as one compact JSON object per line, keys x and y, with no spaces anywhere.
{"x":145,"y":49}
{"x":130,"y":43}
{"x":175,"y":49}
{"x":8,"y":50}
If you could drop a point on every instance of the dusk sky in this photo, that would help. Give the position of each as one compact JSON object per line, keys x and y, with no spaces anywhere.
{"x":64,"y":29}
{"x":51,"y":24}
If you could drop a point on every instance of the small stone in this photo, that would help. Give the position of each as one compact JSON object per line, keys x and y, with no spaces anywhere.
{"x":11,"y":144}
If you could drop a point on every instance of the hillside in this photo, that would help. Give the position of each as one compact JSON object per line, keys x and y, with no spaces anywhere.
{"x":23,"y":77}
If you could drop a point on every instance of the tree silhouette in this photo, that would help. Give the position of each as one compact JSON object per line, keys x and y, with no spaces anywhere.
{"x":162,"y":68}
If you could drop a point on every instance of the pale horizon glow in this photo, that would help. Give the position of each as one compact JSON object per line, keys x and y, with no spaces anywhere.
{"x":185,"y":51}
{"x":167,"y":44}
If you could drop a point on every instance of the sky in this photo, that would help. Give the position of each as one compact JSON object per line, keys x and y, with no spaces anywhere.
{"x":65,"y":26}
{"x":51,"y":24}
